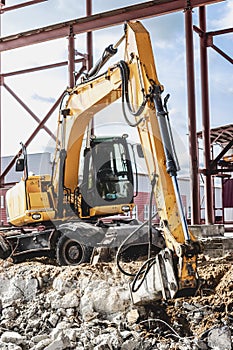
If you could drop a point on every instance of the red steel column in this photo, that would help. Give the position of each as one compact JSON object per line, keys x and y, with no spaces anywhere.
{"x":71,"y":58}
{"x":193,"y":147}
{"x":209,"y":214}
{"x":89,"y":37}
{"x":223,"y":213}
{"x":90,"y":53}
{"x":1,"y":82}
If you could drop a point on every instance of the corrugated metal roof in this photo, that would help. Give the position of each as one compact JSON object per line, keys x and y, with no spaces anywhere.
{"x":221,"y":135}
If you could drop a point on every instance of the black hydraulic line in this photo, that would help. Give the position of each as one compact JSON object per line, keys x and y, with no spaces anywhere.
{"x":136,"y":172}
{"x":62,"y":160}
{"x":25,"y":158}
{"x":153,"y":183}
{"x":61,"y":182}
{"x":144,"y":269}
{"x":124,"y":242}
{"x":124,"y":70}
{"x":146,"y":266}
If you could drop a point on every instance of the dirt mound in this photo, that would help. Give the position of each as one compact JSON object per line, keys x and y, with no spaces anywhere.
{"x":212,"y":306}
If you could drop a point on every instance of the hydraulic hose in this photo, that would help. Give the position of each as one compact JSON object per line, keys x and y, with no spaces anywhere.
{"x":144,"y":269}
{"x":124,"y":70}
{"x":124,"y":242}
{"x":153,"y":183}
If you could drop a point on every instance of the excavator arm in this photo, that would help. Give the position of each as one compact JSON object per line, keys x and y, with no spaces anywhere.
{"x":133,"y":79}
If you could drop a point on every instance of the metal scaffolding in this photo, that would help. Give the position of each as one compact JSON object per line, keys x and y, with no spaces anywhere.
{"x":206,"y":40}
{"x":92,"y":22}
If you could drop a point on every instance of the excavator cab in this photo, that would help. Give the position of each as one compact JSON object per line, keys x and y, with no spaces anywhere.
{"x":107,"y":179}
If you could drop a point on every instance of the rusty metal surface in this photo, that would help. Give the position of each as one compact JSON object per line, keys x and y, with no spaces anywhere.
{"x":208,"y":188}
{"x":29,"y":140}
{"x":98,"y":21}
{"x":17,"y":6}
{"x":193,"y":151}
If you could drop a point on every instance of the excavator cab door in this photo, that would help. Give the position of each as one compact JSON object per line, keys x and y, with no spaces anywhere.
{"x":107,"y":176}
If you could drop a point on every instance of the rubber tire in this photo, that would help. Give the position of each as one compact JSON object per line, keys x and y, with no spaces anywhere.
{"x":71,"y":252}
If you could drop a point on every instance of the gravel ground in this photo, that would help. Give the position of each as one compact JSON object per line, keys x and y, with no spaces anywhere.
{"x":44,"y":306}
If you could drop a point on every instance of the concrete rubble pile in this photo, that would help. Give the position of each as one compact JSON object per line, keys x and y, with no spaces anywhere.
{"x":47,"y":307}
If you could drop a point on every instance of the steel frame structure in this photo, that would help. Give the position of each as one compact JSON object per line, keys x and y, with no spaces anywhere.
{"x":91,"y":22}
{"x":206,"y":40}
{"x":223,"y":137}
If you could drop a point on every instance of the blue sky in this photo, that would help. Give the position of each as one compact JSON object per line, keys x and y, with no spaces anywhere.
{"x":39,"y":90}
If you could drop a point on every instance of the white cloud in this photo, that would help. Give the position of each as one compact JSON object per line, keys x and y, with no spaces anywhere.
{"x":41,"y":14}
{"x":46,"y":99}
{"x":224,"y":17}
{"x":35,"y":55}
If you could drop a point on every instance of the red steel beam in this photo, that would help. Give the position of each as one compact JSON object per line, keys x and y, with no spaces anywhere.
{"x":98,"y":21}
{"x":90,"y":50}
{"x":222,"y":53}
{"x":15,"y":7}
{"x":207,"y":40}
{"x":209,"y":214}
{"x":29,"y":140}
{"x":28,"y":110}
{"x":71,"y":60}
{"x":35,"y":69}
{"x":220,"y":32}
{"x":213,"y":33}
{"x":89,"y":37}
{"x":193,"y":148}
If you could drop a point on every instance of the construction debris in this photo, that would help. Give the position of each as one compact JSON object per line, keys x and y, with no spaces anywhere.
{"x":87,"y":307}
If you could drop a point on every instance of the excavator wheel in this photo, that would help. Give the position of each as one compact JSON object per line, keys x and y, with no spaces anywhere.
{"x":71,"y":252}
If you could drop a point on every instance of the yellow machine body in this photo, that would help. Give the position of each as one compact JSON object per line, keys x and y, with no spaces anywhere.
{"x":82,"y":103}
{"x":28,"y":201}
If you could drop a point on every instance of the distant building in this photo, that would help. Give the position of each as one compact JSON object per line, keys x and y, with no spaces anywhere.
{"x":38,"y":163}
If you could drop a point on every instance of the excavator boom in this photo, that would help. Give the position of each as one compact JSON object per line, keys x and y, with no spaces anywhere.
{"x":98,"y":192}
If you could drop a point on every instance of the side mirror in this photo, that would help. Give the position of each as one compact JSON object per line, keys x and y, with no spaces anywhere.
{"x":140,"y":151}
{"x":19,"y":166}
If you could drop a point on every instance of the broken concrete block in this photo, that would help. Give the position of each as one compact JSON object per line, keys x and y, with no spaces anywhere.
{"x":53,"y":320}
{"x":10,"y":346}
{"x":42,"y":344}
{"x":55,"y":345}
{"x":9,"y":312}
{"x":220,"y":339}
{"x":111,"y":299}
{"x":38,"y":338}
{"x":12,"y":337}
{"x":67,"y":301}
{"x":17,"y":287}
{"x":132,"y":316}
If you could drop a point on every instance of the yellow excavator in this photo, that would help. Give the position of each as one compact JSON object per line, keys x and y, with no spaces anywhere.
{"x":84,"y":207}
